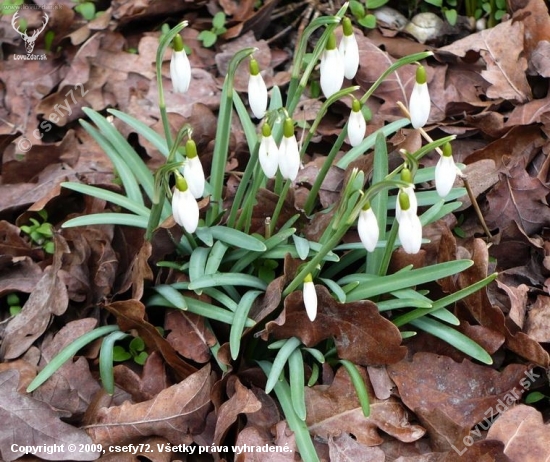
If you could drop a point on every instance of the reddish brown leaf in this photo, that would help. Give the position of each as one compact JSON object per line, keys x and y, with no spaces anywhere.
{"x":28,"y":421}
{"x":130,"y":314}
{"x":525,"y":436}
{"x":335,"y":409}
{"x":48,"y":298}
{"x":176,"y":413}
{"x":361,"y":334}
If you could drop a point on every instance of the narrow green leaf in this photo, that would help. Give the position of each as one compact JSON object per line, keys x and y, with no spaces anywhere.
{"x":454,"y":338}
{"x":402,"y":303}
{"x":122,"y":219}
{"x":197,"y":263}
{"x":297,"y":383}
{"x":106,"y":353}
{"x":358,"y":384}
{"x":227,"y":279}
{"x":172,"y":295}
{"x":215,"y":258}
{"x":335,"y":288}
{"x":316,"y":354}
{"x":302,"y":246}
{"x":241,"y":315}
{"x":237,"y":238}
{"x":109,"y":196}
{"x":298,"y":426}
{"x":67,"y":353}
{"x":445,"y":315}
{"x":279,"y":363}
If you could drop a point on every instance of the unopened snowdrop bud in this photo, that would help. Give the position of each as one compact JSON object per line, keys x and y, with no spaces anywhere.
{"x":184,"y":206}
{"x":420,"y":104}
{"x":310,"y":297}
{"x":367,"y":227}
{"x":349,"y":50}
{"x":445,"y":171}
{"x":357,"y":127}
{"x":268,"y":153}
{"x":180,"y":69}
{"x":289,"y":154}
{"x":406,"y":176}
{"x":257,"y":90}
{"x":331,"y":69}
{"x":192,"y":170}
{"x":410,"y":228}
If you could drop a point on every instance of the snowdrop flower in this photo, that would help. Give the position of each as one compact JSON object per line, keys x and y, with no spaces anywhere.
{"x":445,"y":171}
{"x":420,"y":104}
{"x":289,"y":154}
{"x":192,"y":170}
{"x":349,"y":50}
{"x":357,"y":127}
{"x":410,"y":228}
{"x":184,"y":206}
{"x":310,"y":297}
{"x":331,"y":69}
{"x":180,"y":69}
{"x":367,"y":227}
{"x":406,"y":176}
{"x":268,"y":153}
{"x":257,"y":90}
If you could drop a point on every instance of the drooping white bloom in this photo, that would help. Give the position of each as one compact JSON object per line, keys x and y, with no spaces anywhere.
{"x":331,"y":68}
{"x":193,"y":171}
{"x":257,"y":91}
{"x":419,"y":103}
{"x":349,"y":50}
{"x":367,"y":227}
{"x":184,"y":206}
{"x":180,"y":68}
{"x":289,"y":154}
{"x":445,"y":172}
{"x":310,"y":297}
{"x":268,"y":153}
{"x":357,"y":126}
{"x":410,"y":228}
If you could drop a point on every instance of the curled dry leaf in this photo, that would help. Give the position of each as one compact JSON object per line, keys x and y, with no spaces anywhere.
{"x":525,"y":436}
{"x":335,"y":409}
{"x":28,"y":421}
{"x":361,"y":334}
{"x":176,"y":413}
{"x":48,"y":298}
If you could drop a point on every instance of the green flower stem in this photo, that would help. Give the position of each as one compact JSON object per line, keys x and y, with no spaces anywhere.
{"x":163,"y":45}
{"x":279,"y":207}
{"x":221,"y":147}
{"x":248,"y":206}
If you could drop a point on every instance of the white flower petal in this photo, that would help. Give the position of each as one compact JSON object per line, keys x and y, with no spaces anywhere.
{"x":419,"y":105}
{"x":194,"y":175}
{"x":357,"y":127}
{"x":413,"y":203}
{"x":180,"y":71}
{"x":332,"y":72}
{"x":257,"y":95}
{"x":445,"y":175}
{"x":185,"y":210}
{"x":410,"y":231}
{"x":367,"y":227}
{"x":310,"y":300}
{"x":269,"y":156}
{"x":289,"y":158}
{"x":349,"y":50}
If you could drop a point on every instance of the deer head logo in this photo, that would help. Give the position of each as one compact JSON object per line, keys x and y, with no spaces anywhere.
{"x":29,"y":41}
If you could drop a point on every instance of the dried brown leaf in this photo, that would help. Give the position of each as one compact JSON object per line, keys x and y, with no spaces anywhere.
{"x":345,"y":449}
{"x":28,"y":421}
{"x":361,"y":334}
{"x":176,"y":413}
{"x":335,"y":409}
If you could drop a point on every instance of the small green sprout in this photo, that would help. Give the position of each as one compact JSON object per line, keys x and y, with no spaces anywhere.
{"x":209,"y":37}
{"x":40,"y":233}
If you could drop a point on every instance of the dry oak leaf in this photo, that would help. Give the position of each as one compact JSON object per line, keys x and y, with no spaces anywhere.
{"x":335,"y":409}
{"x":361,"y":334}
{"x":462,"y":391}
{"x":501,"y":47}
{"x":176,"y":413}
{"x":30,"y":422}
{"x":525,"y":436}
